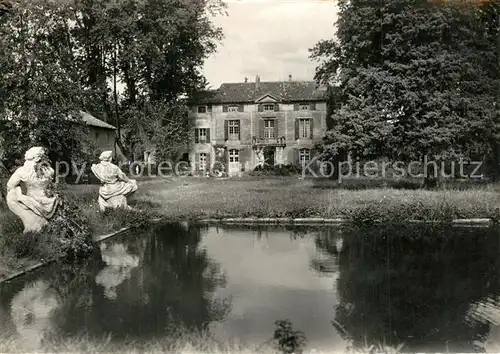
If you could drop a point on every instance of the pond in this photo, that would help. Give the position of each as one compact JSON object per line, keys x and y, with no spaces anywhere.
{"x":431,"y":289}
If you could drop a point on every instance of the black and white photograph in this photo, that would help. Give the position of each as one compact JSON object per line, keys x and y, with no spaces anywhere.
{"x":250,"y":176}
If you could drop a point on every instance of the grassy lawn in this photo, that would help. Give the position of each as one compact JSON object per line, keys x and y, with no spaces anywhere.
{"x":193,"y":198}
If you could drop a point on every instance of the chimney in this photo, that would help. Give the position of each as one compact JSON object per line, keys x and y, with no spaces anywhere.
{"x":246,"y":79}
{"x":290,"y":77}
{"x":257,"y":81}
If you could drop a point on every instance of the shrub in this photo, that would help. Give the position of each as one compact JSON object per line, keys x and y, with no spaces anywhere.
{"x":276,"y":170}
{"x":67,"y":236}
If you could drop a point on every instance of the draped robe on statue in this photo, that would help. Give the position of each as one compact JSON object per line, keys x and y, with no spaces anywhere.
{"x":34,"y":208}
{"x":115,"y":188}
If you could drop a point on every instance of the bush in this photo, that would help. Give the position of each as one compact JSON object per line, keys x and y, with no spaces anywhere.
{"x":276,"y":170}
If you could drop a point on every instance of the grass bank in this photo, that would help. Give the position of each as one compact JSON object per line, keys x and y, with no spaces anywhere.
{"x":270,"y":197}
{"x":179,"y":341}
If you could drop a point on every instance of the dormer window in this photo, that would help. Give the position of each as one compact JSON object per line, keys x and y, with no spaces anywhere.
{"x":269,"y":108}
{"x":202,"y":109}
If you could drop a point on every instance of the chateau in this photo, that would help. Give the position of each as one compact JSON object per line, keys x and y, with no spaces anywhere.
{"x":243,"y":125}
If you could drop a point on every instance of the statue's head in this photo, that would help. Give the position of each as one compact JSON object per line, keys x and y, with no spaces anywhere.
{"x":34,"y":154}
{"x":106,"y":156}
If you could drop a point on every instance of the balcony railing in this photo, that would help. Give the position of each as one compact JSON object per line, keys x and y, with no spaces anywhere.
{"x":269,"y":141}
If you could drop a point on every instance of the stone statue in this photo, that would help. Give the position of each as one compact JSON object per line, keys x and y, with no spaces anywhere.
{"x":37,"y":206}
{"x":116,"y":186}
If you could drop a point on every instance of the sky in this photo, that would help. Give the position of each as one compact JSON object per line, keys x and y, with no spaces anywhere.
{"x":269,"y":38}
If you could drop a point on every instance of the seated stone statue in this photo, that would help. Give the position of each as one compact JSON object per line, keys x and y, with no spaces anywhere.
{"x":36,"y":207}
{"x":116,"y":186}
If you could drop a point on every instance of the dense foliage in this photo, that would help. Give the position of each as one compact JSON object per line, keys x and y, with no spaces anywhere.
{"x":414,"y":79}
{"x":127,"y":62}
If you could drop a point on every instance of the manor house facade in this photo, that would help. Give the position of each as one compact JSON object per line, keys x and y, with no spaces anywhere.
{"x":246,"y":124}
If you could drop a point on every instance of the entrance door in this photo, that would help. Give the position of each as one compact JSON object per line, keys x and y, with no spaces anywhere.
{"x":234,"y":162}
{"x":269,"y":153}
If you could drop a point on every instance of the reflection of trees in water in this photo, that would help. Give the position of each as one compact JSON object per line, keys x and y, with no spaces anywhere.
{"x":414,"y":285}
{"x":172,"y":286}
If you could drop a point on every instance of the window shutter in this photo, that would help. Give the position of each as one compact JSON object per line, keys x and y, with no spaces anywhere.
{"x":207,"y":166}
{"x":226,"y":130}
{"x":242,"y":158}
{"x":296,"y":107}
{"x":260,"y":108}
{"x":209,"y":108}
{"x":196,"y":136}
{"x":276,"y":107}
{"x":261,"y":128}
{"x":311,"y":121}
{"x":239,"y":129}
{"x":276,"y":128}
{"x":224,"y":108}
{"x":296,"y":157}
{"x":197,"y":162}
{"x":296,"y":129}
{"x":208,"y":135}
{"x":241,"y":108}
{"x":312,"y":106}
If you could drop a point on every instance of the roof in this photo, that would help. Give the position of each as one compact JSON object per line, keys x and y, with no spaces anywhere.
{"x":288,"y":91}
{"x":92,"y":121}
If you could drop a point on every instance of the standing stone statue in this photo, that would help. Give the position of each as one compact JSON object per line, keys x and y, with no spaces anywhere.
{"x":116,"y":186}
{"x":37,"y":206}
{"x":260,"y":158}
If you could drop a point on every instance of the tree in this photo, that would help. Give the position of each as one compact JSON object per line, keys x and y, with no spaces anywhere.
{"x":39,"y":87}
{"x":156,"y":49}
{"x":60,"y":57}
{"x":415,"y":79}
{"x":5,"y":5}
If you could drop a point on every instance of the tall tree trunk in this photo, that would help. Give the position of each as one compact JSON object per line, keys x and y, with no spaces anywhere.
{"x":115,"y":101}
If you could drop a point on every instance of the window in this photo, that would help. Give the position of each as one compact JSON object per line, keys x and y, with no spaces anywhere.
{"x":268,"y":107}
{"x":232,"y":109}
{"x":304,"y":107}
{"x":304,"y":128}
{"x":304,"y":156}
{"x":234,"y":130}
{"x":234,"y":155}
{"x":202,"y":109}
{"x":202,"y":134}
{"x":269,"y":129}
{"x":203,"y":161}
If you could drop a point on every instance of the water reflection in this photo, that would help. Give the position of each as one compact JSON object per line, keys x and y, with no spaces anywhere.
{"x":135,"y":288}
{"x":415,"y":286}
{"x":431,"y":289}
{"x":31,"y":311}
{"x":119,"y":265}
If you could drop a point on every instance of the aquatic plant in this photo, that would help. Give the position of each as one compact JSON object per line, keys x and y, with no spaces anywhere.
{"x":287,"y":339}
